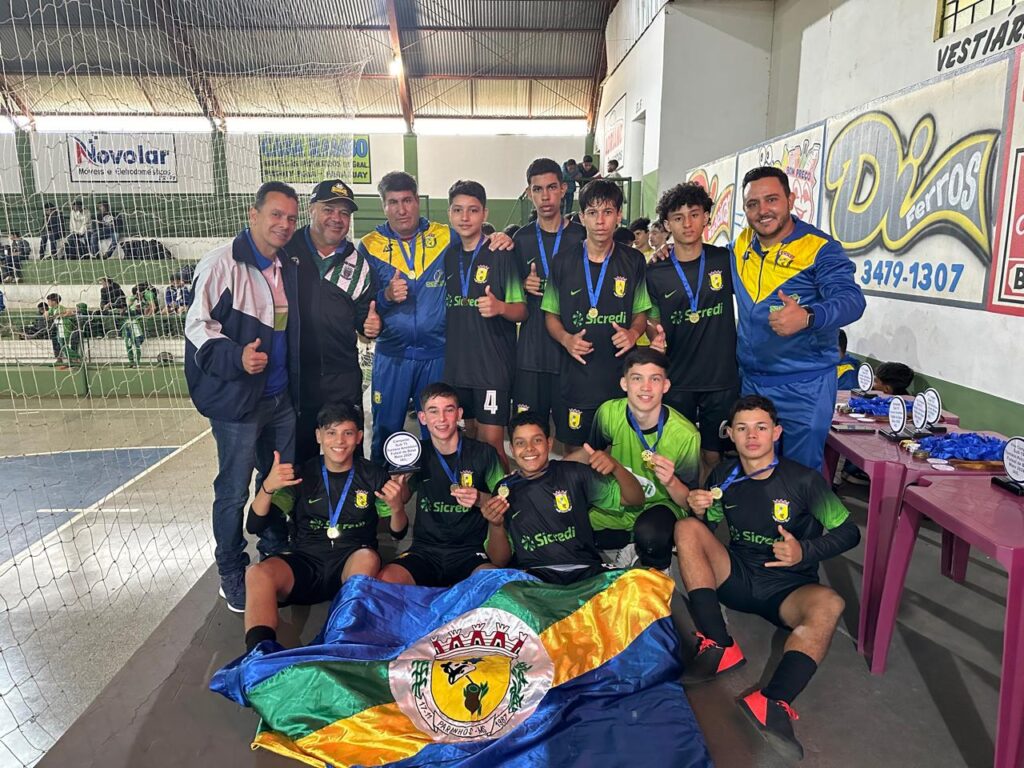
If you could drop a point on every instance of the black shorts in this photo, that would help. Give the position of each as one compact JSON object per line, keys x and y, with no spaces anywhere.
{"x":572,"y":424}
{"x":318,"y":578}
{"x":536,"y":392}
{"x":431,"y":567}
{"x":487,"y":406}
{"x":562,"y":576}
{"x":707,"y":410}
{"x":756,"y":589}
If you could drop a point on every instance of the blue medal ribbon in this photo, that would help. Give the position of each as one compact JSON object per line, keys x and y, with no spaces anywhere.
{"x":336,"y":514}
{"x":410,"y":260}
{"x":592,"y":292}
{"x":464,"y":275}
{"x":965,"y":446}
{"x":640,"y":433}
{"x":735,"y":479}
{"x":444,"y":464}
{"x":693,"y":296}
{"x":540,"y":245}
{"x":508,"y":482}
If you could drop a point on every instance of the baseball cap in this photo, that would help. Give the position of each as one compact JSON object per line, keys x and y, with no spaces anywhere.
{"x":331,"y":190}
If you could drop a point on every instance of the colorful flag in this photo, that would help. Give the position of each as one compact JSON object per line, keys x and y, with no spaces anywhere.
{"x":501,"y":669}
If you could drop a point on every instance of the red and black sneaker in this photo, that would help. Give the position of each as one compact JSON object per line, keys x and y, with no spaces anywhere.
{"x":712,"y":660}
{"x":773,"y":719}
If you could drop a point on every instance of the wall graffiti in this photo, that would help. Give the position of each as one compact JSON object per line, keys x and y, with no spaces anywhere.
{"x":800,"y":161}
{"x":719,"y":228}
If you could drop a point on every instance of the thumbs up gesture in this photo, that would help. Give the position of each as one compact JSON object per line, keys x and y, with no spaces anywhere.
{"x":624,"y":339}
{"x":490,"y":305}
{"x":280,"y":476}
{"x":533,"y":283}
{"x":599,"y":461}
{"x":788,"y":552}
{"x":791,"y":319}
{"x":659,"y":342}
{"x":371,"y":327}
{"x":253,"y":361}
{"x":398,"y":289}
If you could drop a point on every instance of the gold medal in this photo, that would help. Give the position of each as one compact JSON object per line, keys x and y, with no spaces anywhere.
{"x":454,"y":488}
{"x":333,"y":532}
{"x":716,"y":493}
{"x":503,"y":491}
{"x":693,"y":318}
{"x":648,"y":457}
{"x":592,"y":313}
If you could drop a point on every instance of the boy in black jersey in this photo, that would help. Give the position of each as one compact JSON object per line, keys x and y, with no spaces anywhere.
{"x":483,"y":302}
{"x":776,"y":526}
{"x":457,"y":474}
{"x":537,"y":246}
{"x":595,"y":305}
{"x":333,"y":506}
{"x":545,"y":505}
{"x":692,"y":319}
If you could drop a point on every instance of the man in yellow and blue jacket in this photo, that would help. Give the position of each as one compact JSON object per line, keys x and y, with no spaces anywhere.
{"x":795,"y":289}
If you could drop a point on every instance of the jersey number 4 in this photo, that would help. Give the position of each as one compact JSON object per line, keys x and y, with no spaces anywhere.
{"x":491,"y":401}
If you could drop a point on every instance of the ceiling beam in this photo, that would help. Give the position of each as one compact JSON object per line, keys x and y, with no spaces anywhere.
{"x":404,"y":94}
{"x":187,"y":61}
{"x":599,"y":73}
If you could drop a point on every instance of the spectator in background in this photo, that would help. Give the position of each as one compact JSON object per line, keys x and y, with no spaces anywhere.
{"x":40,"y":328}
{"x":80,"y":227}
{"x":106,"y":228}
{"x":112,"y":298}
{"x":570,"y":175}
{"x":143,"y":302}
{"x":893,"y":379}
{"x":613,"y":170}
{"x":623,"y":235}
{"x":846,"y":371}
{"x":53,"y":230}
{"x":13,"y":255}
{"x":177,"y":297}
{"x":132,"y":331}
{"x":588,"y":170}
{"x":63,"y":323}
{"x":658,"y":235}
{"x":639,"y":229}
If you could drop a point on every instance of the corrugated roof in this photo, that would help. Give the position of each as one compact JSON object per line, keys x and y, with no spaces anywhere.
{"x":502,"y":14}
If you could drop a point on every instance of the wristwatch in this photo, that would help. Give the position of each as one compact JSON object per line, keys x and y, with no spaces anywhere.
{"x":810,"y":317}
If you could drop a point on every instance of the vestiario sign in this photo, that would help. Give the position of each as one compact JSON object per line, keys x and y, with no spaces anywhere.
{"x":148,"y":157}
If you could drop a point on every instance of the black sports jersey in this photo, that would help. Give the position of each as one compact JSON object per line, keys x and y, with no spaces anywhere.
{"x":548,"y":517}
{"x":536,"y":350}
{"x":623,"y":295}
{"x":793,"y":496}
{"x":480,"y":352}
{"x":309,"y":507}
{"x":701,"y":355}
{"x":440,"y":521}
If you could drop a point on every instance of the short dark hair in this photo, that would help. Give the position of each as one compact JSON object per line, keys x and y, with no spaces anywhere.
{"x":53,"y":297}
{"x":570,"y":161}
{"x":273,"y":186}
{"x":437,"y":389}
{"x":754,"y":403}
{"x":41,"y":305}
{"x":897,"y":376}
{"x":644,"y":356}
{"x":339,"y":413}
{"x":637,"y":224}
{"x":541,"y":166}
{"x":766,"y":172}
{"x":469,"y":188}
{"x":683,"y":195}
{"x":526,"y":418}
{"x":511,"y":230}
{"x":659,"y":225}
{"x":487,"y":229}
{"x":842,"y":341}
{"x":588,"y":159}
{"x":623,"y":235}
{"x":396,"y":181}
{"x":601,"y":190}
{"x":613,"y":160}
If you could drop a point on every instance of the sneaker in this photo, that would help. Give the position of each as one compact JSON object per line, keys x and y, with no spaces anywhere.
{"x":712,"y":660}
{"x":855,"y":476}
{"x":773,"y":719}
{"x":232,"y":589}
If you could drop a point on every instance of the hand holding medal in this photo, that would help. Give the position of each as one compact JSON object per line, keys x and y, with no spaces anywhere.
{"x":699,"y":500}
{"x":663,"y":467}
{"x":466,"y":496}
{"x":718,"y":491}
{"x":494,"y":508}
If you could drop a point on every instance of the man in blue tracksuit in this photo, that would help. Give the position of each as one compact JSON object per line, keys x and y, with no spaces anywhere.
{"x":242,"y":369}
{"x":795,"y":289}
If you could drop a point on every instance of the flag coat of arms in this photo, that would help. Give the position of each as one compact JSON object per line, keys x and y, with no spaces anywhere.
{"x":500,"y":670}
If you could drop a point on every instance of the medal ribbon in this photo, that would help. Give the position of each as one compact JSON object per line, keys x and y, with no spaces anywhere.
{"x":336,"y":514}
{"x":693,"y":296}
{"x":734,"y":479}
{"x":640,"y":433}
{"x":595,"y":293}
{"x":540,"y":245}
{"x":447,"y":469}
{"x":464,"y":275}
{"x":410,"y":260}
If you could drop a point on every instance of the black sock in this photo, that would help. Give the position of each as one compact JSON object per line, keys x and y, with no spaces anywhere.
{"x":258,"y":634}
{"x":791,"y":676}
{"x":707,"y":615}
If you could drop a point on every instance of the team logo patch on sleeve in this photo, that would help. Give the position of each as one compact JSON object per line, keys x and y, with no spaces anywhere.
{"x":562,"y":503}
{"x":575,"y":418}
{"x":362,"y":499}
{"x":715,"y":280}
{"x":780,"y":511}
{"x":466,"y":478}
{"x":376,"y":397}
{"x":620,"y":286}
{"x":480,"y":276}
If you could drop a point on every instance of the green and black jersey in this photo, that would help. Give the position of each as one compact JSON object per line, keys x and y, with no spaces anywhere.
{"x":679,"y":442}
{"x":480,"y":352}
{"x":623,"y":295}
{"x":440,"y":522}
{"x":701,"y":355}
{"x":793,"y":496}
{"x":536,"y":350}
{"x":548,"y":521}
{"x":309,"y":506}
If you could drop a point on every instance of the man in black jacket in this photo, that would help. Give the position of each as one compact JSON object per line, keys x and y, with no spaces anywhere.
{"x":336,"y":290}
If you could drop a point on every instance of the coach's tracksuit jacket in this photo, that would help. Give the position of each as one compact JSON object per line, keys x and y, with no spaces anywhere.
{"x":233,"y":306}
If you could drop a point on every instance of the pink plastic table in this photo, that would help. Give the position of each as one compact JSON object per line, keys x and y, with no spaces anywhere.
{"x":991,"y":519}
{"x":891,"y":469}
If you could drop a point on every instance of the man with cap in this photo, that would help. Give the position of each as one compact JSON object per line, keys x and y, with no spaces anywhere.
{"x":337,"y":287}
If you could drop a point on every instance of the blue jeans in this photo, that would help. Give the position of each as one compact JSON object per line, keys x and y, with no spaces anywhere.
{"x":241,"y":447}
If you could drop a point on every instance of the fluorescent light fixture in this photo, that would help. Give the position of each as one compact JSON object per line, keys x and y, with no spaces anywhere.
{"x":395,"y":67}
{"x":443,"y":126}
{"x":122,"y":124}
{"x":314,"y":125}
